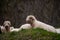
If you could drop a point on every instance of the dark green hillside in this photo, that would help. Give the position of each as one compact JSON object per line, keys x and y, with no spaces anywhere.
{"x":31,"y":34}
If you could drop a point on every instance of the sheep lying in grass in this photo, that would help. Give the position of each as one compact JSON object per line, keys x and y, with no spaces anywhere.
{"x":25,"y":26}
{"x":38,"y":24}
{"x":7,"y":25}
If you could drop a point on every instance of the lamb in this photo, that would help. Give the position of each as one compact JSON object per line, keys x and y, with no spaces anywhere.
{"x":38,"y":24}
{"x":25,"y":26}
{"x":7,"y":25}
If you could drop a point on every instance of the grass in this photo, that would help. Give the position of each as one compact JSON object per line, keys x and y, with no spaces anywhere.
{"x":31,"y":34}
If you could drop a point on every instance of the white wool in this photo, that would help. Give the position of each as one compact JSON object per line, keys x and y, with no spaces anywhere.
{"x":3,"y":29}
{"x":11,"y":28}
{"x":58,"y":30}
{"x":14,"y":29}
{"x":38,"y":24}
{"x":7,"y":23}
{"x":25,"y":26}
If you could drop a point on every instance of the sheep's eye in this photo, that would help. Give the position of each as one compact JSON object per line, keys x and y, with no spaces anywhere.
{"x":8,"y":24}
{"x":31,"y":18}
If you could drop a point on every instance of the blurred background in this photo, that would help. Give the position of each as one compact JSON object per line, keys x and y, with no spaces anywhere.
{"x":47,"y":11}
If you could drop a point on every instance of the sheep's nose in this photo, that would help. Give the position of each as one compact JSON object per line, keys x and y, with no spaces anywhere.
{"x":28,"y":21}
{"x":6,"y":27}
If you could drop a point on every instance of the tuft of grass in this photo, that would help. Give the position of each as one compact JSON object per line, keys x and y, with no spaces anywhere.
{"x":30,"y":34}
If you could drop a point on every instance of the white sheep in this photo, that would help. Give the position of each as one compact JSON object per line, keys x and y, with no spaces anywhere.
{"x":38,"y":24}
{"x":7,"y":25}
{"x":25,"y":26}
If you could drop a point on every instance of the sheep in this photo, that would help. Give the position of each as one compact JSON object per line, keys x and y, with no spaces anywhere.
{"x":38,"y":24}
{"x":7,"y":25}
{"x":25,"y":26}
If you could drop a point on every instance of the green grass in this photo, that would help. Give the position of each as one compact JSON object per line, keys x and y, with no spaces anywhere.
{"x":31,"y":34}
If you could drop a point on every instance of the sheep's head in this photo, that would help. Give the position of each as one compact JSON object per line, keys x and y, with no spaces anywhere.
{"x":7,"y":25}
{"x":30,"y":19}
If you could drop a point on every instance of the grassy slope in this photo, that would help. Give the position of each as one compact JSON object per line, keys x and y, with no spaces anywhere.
{"x":31,"y":34}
